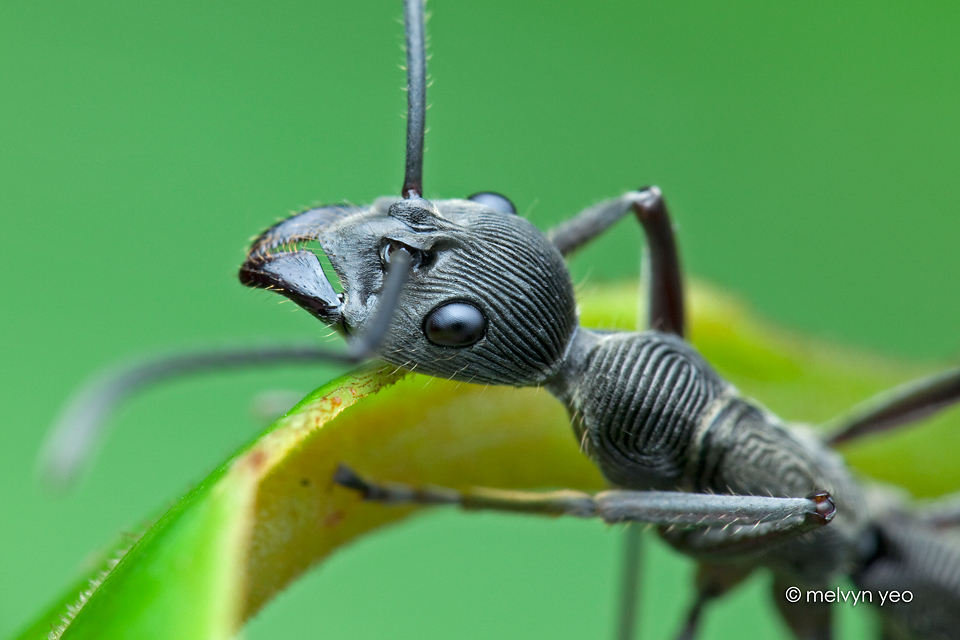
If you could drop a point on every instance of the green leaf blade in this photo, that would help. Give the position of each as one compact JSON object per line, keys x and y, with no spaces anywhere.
{"x":272,"y":511}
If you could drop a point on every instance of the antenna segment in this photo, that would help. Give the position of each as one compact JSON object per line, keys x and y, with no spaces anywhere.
{"x":416,"y":97}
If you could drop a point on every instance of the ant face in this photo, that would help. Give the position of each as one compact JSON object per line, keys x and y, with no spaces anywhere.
{"x":488,"y":298}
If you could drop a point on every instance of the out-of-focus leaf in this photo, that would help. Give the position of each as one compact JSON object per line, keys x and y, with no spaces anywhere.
{"x":272,"y":511}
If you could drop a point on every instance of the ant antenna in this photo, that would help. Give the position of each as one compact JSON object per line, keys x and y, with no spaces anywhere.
{"x":416,"y":97}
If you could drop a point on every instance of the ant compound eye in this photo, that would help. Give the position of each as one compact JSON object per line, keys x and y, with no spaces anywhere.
{"x":497,"y":202}
{"x":455,"y":324}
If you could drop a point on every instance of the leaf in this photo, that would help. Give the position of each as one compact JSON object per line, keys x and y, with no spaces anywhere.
{"x":272,"y":511}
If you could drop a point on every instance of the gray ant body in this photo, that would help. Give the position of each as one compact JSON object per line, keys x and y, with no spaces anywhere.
{"x":468,"y":290}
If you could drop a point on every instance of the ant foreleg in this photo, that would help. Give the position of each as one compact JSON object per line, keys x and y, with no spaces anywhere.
{"x":666,"y":311}
{"x":694,"y":511}
{"x":70,"y":441}
{"x":899,"y":406}
{"x":749,"y":538}
{"x":739,"y":523}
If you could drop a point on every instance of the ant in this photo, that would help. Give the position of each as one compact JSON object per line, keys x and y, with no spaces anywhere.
{"x":467,"y":290}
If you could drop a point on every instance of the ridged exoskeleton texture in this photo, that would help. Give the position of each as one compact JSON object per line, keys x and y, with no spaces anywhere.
{"x":653,"y":415}
{"x":637,"y":404}
{"x":510,"y":272}
{"x":461,"y":252}
{"x":744,"y":450}
{"x":465,"y":252}
{"x":916,"y":558}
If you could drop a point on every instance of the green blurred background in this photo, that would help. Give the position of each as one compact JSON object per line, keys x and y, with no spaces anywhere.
{"x":809,"y":152}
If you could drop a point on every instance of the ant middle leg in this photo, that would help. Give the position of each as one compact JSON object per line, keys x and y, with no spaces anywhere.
{"x":712,"y":582}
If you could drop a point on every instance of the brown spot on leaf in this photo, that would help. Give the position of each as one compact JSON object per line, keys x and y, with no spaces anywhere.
{"x":333,"y":518}
{"x":256,"y":459}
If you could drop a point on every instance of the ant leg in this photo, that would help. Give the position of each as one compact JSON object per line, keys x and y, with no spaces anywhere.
{"x":69,"y":443}
{"x":664,"y":508}
{"x":745,"y":539}
{"x":666,"y":284}
{"x":713,"y":581}
{"x":692,"y":625}
{"x":665,"y":310}
{"x":943,"y":513}
{"x":905,"y":404}
{"x":725,"y":523}
{"x":629,"y":582}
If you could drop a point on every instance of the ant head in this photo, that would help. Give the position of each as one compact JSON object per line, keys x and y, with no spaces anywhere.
{"x":488,"y":298}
